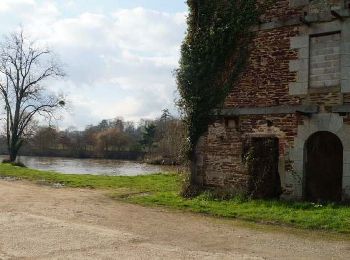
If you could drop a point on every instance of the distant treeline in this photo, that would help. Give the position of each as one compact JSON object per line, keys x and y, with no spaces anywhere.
{"x":156,"y":141}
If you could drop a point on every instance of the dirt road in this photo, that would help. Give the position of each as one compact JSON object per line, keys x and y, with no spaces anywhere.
{"x":38,"y":222}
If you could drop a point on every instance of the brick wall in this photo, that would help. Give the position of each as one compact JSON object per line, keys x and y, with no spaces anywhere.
{"x":265,"y":82}
{"x":327,"y":99}
{"x":223,"y":157}
{"x":222,"y":154}
{"x":346,"y":98}
{"x":280,"y":10}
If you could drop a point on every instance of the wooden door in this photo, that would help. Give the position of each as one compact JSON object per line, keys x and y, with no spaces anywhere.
{"x":324,"y":167}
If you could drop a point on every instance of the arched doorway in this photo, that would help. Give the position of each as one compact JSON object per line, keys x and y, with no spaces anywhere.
{"x":323,"y":167}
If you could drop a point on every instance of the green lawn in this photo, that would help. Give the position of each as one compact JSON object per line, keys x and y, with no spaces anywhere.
{"x":163,"y":190}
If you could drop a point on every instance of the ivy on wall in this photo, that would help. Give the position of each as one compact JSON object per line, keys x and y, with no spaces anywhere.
{"x":213,"y":54}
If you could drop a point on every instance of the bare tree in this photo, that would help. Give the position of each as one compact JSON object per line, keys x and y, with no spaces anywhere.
{"x":25,"y":67}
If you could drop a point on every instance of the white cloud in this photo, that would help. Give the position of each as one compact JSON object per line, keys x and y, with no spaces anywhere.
{"x":147,"y":30}
{"x":119,"y":63}
{"x":15,"y":5}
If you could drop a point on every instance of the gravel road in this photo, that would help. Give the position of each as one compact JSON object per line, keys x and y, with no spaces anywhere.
{"x":40,"y":222}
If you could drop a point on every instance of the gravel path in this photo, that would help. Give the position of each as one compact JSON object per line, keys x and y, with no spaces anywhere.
{"x":38,"y":222}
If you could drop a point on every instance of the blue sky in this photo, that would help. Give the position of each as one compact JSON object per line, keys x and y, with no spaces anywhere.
{"x":119,"y":55}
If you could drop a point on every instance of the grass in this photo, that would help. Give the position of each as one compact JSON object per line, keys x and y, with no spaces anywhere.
{"x":163,"y":190}
{"x":149,"y":183}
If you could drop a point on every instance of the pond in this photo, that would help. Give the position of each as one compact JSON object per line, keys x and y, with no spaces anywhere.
{"x":92,"y":166}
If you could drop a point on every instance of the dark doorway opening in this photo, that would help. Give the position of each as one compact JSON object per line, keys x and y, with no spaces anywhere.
{"x":323,"y":167}
{"x":262,"y":155}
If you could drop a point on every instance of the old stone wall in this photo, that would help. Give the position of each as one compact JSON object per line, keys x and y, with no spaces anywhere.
{"x":264,"y":83}
{"x":346,"y":98}
{"x":280,"y":10}
{"x":291,"y":65}
{"x":325,"y":60}
{"x":328,"y":97}
{"x":265,"y":80}
{"x":223,"y":157}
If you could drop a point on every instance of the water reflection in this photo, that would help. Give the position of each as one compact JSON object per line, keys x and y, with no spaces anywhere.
{"x":92,"y":166}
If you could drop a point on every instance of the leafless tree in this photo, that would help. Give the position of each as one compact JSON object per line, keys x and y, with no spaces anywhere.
{"x":25,"y":67}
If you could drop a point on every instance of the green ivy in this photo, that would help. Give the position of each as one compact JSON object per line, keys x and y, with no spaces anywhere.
{"x":213,"y":54}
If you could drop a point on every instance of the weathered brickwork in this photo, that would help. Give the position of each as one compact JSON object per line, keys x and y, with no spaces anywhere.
{"x":265,"y":81}
{"x":326,"y":97}
{"x":223,"y":153}
{"x":286,"y":71}
{"x":281,"y":10}
{"x":346,"y":98}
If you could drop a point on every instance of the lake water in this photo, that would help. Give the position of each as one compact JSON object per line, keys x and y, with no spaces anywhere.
{"x":92,"y":166}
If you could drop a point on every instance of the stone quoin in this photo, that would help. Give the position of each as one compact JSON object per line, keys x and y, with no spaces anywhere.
{"x":295,"y":90}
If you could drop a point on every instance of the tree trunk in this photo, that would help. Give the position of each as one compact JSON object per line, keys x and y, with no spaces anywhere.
{"x":13,"y":154}
{"x":14,"y":147}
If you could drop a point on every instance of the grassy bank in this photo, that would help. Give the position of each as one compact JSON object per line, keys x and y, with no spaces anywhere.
{"x":163,"y":190}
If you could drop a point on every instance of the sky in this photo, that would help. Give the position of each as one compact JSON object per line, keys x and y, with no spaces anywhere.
{"x":119,"y":55}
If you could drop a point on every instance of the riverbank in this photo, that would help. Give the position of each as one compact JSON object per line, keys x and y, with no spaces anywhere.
{"x":111,"y":155}
{"x":163,"y":190}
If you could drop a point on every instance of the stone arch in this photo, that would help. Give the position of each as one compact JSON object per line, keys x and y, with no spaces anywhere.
{"x":328,"y":122}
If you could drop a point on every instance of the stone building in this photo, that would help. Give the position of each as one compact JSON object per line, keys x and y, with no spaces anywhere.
{"x":290,"y":110}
